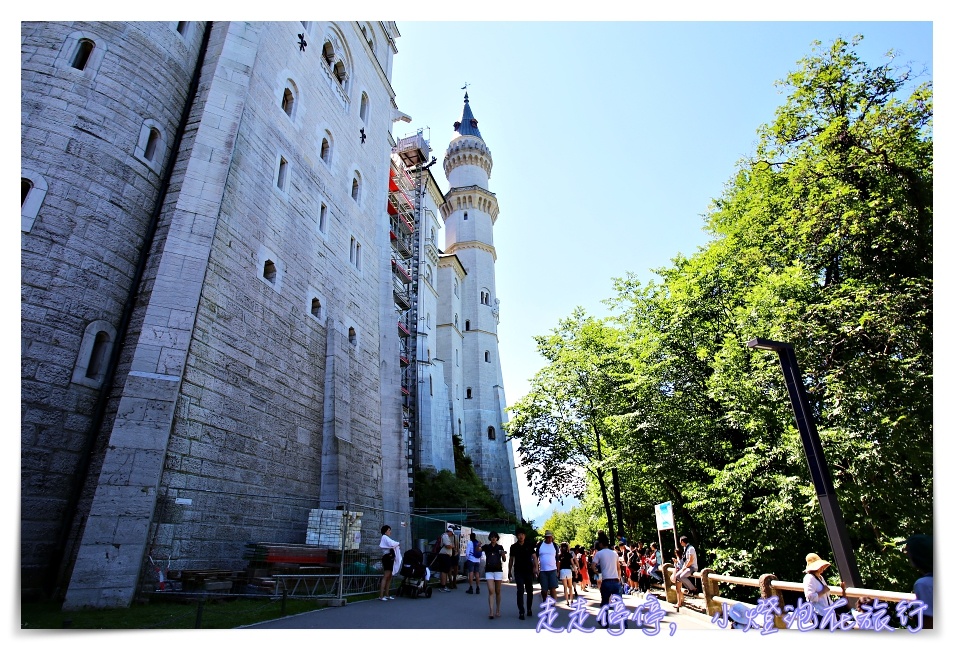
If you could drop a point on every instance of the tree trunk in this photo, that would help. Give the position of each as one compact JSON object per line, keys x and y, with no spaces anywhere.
{"x":600,"y":477}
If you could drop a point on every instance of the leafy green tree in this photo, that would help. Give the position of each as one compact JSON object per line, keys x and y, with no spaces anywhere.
{"x":823,"y":239}
{"x":561,"y":425}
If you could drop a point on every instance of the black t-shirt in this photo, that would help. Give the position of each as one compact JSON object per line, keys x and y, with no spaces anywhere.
{"x":494,"y":560}
{"x":566,"y":560}
{"x":522,"y":555}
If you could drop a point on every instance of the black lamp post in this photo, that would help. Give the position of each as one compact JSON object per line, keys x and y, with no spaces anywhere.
{"x":817,"y":467}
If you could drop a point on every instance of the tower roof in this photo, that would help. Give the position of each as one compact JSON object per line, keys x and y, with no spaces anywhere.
{"x":468,"y":123}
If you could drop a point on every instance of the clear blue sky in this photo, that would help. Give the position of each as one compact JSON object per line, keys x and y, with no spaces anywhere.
{"x":609,"y":139}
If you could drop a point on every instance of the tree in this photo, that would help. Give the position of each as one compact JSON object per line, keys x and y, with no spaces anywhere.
{"x":823,"y":239}
{"x":561,"y":425}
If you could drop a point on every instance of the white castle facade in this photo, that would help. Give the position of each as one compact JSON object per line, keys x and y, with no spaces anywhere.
{"x":226,"y":318}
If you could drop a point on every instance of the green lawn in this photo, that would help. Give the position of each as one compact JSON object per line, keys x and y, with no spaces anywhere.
{"x":216,"y":614}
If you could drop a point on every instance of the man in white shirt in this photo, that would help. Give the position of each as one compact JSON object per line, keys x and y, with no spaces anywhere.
{"x":547,"y":566}
{"x":608,"y":562}
{"x":444,"y":557}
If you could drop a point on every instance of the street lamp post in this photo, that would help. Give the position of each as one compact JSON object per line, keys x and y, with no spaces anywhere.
{"x":817,"y":466}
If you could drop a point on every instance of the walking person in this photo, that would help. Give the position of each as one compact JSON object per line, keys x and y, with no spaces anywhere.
{"x":391,"y":557}
{"x":565,"y":561}
{"x":493,"y":572}
{"x":547,"y":552}
{"x":608,"y":562}
{"x":473,"y":564}
{"x":585,"y":569}
{"x":523,"y":569}
{"x":444,"y":556}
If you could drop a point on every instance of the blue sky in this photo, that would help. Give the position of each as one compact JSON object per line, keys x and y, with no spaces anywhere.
{"x":609,"y":139}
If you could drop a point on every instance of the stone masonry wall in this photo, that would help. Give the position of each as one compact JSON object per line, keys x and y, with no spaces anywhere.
{"x":78,"y":258}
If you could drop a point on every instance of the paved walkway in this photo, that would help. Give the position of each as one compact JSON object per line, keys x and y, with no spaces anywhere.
{"x":458,"y":610}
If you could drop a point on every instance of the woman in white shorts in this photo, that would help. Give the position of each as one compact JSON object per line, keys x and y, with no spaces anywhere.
{"x":565,"y":562}
{"x":493,"y":572}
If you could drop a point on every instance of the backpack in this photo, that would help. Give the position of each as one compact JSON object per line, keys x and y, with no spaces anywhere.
{"x":478,"y":550}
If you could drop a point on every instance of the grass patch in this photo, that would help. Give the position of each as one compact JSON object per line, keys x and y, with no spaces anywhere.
{"x":217,"y":614}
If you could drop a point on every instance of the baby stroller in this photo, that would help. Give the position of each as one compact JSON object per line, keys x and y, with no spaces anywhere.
{"x":415,"y":575}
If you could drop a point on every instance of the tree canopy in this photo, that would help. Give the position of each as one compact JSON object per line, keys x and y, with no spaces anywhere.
{"x":822,"y":238}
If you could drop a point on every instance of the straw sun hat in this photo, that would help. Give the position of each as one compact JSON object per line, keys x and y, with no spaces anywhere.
{"x":815,"y":563}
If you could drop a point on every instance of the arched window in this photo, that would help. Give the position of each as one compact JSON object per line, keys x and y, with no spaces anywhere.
{"x":94,"y":353}
{"x":326,"y":148}
{"x":491,"y":433}
{"x":288,"y":102}
{"x":465,"y":216}
{"x":328,"y":53}
{"x":33,"y":190}
{"x":467,"y":325}
{"x":363,"y":113}
{"x":470,"y":394}
{"x":150,"y":148}
{"x":83,"y":51}
{"x":282,"y":173}
{"x":98,"y":355}
{"x":323,"y":218}
{"x":340,"y":73}
{"x":151,"y":143}
{"x":356,"y":186}
{"x":487,"y":356}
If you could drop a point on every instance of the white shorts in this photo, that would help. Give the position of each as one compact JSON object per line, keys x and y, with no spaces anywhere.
{"x":566,"y":574}
{"x":494,"y":575}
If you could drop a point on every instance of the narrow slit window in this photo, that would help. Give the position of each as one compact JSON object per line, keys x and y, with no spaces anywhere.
{"x":466,"y":325}
{"x":355,"y":188}
{"x":325,"y":150}
{"x":364,"y":108}
{"x":491,"y":433}
{"x":83,"y":52}
{"x":97,"y":355}
{"x":487,"y":356}
{"x":282,"y":172}
{"x":25,"y":187}
{"x":470,"y":394}
{"x":352,"y":336}
{"x":151,"y":144}
{"x":323,"y":217}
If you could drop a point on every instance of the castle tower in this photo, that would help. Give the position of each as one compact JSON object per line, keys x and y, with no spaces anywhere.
{"x":473,"y":366}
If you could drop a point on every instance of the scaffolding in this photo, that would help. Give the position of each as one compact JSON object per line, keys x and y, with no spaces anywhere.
{"x":410,"y":153}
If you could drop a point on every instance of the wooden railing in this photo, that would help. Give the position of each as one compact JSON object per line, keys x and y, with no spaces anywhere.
{"x":767,"y":585}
